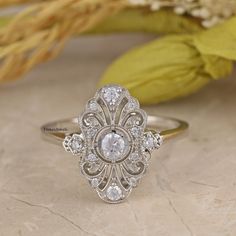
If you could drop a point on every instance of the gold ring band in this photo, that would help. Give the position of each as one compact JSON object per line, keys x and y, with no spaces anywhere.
{"x":56,"y":131}
{"x":113,"y":139}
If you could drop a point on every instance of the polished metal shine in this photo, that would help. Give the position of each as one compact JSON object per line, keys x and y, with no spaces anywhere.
{"x":114,"y":139}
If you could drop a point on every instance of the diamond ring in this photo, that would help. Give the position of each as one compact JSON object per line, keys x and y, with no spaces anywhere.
{"x":113,"y":139}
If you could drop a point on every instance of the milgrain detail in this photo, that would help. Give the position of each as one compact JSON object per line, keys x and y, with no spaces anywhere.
{"x":114,"y":146}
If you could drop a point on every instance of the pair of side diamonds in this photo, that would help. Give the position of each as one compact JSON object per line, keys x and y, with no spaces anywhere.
{"x":76,"y":145}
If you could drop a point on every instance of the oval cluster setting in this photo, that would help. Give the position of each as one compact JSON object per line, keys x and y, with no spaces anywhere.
{"x":113,"y":146}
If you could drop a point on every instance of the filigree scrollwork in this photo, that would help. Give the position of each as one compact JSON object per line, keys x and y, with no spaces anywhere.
{"x":113,"y":131}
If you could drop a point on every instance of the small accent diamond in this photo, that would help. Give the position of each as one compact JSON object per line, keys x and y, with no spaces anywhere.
{"x":75,"y":143}
{"x":133,"y":181}
{"x":136,"y":131}
{"x":132,"y":104}
{"x":92,"y":105}
{"x":94,"y":182}
{"x":151,"y":141}
{"x":91,"y":157}
{"x":114,"y":193}
{"x":91,"y":131}
{"x":134,"y":157}
{"x":133,"y":121}
{"x":111,"y":94}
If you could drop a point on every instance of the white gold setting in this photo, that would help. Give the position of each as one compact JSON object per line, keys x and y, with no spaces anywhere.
{"x":74,"y":144}
{"x":114,"y":146}
{"x":113,"y":139}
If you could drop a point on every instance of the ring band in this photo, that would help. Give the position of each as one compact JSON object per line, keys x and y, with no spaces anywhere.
{"x":113,"y":139}
{"x":56,"y":131}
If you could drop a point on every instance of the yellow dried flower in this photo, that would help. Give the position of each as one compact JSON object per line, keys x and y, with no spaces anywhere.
{"x":210,"y":11}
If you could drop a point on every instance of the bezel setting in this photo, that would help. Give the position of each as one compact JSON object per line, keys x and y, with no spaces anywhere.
{"x":74,"y":144}
{"x":113,"y":145}
{"x":118,"y":133}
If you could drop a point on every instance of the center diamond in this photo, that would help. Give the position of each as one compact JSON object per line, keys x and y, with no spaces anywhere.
{"x":113,"y":145}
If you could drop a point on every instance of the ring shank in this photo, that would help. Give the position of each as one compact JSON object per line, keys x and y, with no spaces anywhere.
{"x":56,"y":131}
